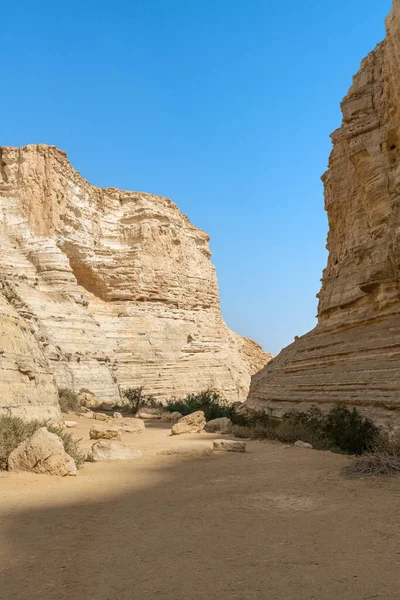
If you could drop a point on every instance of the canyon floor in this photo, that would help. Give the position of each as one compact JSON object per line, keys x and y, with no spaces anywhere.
{"x":275,"y":523}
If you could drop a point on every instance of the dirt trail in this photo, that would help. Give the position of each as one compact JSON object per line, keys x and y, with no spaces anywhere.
{"x":271,"y":524}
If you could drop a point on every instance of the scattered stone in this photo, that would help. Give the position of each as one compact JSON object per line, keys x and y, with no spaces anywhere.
{"x":229,"y":446}
{"x":109,"y":450}
{"x":89,"y":400}
{"x":193,"y":450}
{"x":149,"y":413}
{"x":43,"y":452}
{"x":87,"y":415}
{"x":132,"y":426}
{"x":100,"y":416}
{"x":171,"y":417}
{"x":117,"y":415}
{"x":70,"y":424}
{"x":193,"y":423}
{"x":102,"y":433}
{"x":222,"y":425}
{"x":300,"y":444}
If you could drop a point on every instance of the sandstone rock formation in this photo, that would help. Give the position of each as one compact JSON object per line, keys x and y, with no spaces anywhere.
{"x":193,"y":423}
{"x":44,"y":453}
{"x":105,"y":289}
{"x":105,"y":450}
{"x":353,"y":354}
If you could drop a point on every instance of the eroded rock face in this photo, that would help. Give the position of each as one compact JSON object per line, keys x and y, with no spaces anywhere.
{"x":353,"y":355}
{"x":117,"y":288}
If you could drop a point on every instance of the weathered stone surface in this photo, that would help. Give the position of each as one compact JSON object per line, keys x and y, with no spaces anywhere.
{"x":192,"y":450}
{"x":222,"y":425}
{"x":229,"y":446}
{"x":171,"y":417}
{"x":353,"y":355}
{"x":100,"y":416}
{"x":44,"y":453}
{"x":110,"y":288}
{"x":193,"y":423}
{"x":117,"y":415}
{"x":70,"y":424}
{"x":131,"y":426}
{"x":300,"y":444}
{"x":105,"y":450}
{"x":104,"y":433}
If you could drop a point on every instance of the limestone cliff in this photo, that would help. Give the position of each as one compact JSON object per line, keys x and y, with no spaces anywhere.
{"x":116,"y":288}
{"x":353,"y":355}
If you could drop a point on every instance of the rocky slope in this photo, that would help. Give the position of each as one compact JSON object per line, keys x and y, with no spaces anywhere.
{"x":353,"y":355}
{"x":105,"y":289}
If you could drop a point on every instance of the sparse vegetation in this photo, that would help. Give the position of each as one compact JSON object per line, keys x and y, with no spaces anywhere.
{"x":137,"y":400}
{"x":383,"y":459}
{"x":14,"y":430}
{"x":209,"y":401}
{"x":341,"y":430}
{"x":68,"y":400}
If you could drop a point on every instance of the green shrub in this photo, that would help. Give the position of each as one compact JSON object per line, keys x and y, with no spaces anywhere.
{"x":137,"y":399}
{"x":68,"y":400}
{"x":350,"y":431}
{"x":209,"y":401}
{"x":14,"y":430}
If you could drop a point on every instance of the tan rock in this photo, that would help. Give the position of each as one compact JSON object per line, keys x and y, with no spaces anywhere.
{"x":352,"y":356}
{"x":131,"y":426}
{"x":88,"y":415}
{"x":148,"y":413}
{"x":44,"y":453}
{"x":117,"y":415}
{"x":104,"y":433}
{"x":190,"y":450}
{"x":106,"y":406}
{"x":105,"y":450}
{"x":229,"y":446}
{"x":100,"y":416}
{"x":115,"y":288}
{"x":193,"y":423}
{"x":70,"y":424}
{"x":221,"y":425}
{"x":171,"y":417}
{"x":300,"y":444}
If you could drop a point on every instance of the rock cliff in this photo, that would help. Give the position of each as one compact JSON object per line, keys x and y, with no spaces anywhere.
{"x":105,"y":289}
{"x":353,"y":354}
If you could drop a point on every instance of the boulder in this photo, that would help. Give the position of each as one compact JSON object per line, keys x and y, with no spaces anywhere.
{"x":110,"y":450}
{"x":43,"y":452}
{"x":100,"y":416}
{"x":131,"y":426}
{"x":222,"y":425}
{"x":229,"y":446}
{"x":104,"y":433}
{"x":117,"y":415}
{"x":106,"y":406}
{"x":149,"y":413}
{"x":300,"y":444}
{"x":171,"y":417}
{"x":89,"y":400}
{"x":192,"y":450}
{"x":70,"y":424}
{"x":193,"y":423}
{"x":87,"y":415}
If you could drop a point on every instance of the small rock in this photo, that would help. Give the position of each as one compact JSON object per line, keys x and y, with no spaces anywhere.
{"x":100,"y":433}
{"x":106,"y":406}
{"x":87,"y":415}
{"x":171,"y":417}
{"x":117,"y":415}
{"x":222,"y":425}
{"x":300,"y":444}
{"x":44,"y":453}
{"x":132,"y":426}
{"x":108,"y":450}
{"x":70,"y":424}
{"x":193,"y":423}
{"x":229,"y":446}
{"x":100,"y":416}
{"x":148,"y":413}
{"x":193,"y":450}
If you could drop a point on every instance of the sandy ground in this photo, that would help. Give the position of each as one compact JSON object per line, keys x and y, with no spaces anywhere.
{"x":274,"y":524}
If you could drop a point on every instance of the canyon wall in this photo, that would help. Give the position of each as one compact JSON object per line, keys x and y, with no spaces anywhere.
{"x":353,"y":354}
{"x":106,"y":289}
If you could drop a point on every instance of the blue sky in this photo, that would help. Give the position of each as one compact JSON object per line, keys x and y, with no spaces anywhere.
{"x":225,"y":106}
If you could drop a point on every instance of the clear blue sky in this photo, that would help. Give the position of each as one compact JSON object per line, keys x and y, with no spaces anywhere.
{"x":225,"y":106}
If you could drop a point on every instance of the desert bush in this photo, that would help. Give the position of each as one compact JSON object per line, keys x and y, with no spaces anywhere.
{"x":14,"y":430}
{"x":341,"y":430}
{"x":137,"y":399}
{"x":373,"y":464}
{"x":68,"y":400}
{"x":209,"y":401}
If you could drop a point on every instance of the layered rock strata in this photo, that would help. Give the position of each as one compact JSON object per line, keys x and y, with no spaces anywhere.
{"x":353,"y":354}
{"x":106,"y":289}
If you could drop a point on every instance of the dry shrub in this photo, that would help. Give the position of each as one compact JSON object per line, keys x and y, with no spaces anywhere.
{"x":373,"y":464}
{"x":68,"y":400}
